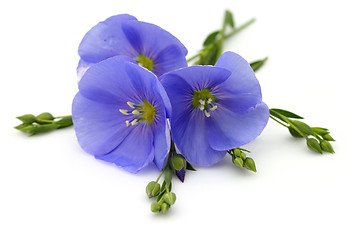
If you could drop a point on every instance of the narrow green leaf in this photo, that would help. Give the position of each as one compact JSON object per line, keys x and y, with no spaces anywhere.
{"x":303,"y":127}
{"x":210,"y":38}
{"x":320,"y":131}
{"x":258,"y":64}
{"x":275,"y":114}
{"x":328,"y":137}
{"x":229,"y":19}
{"x":286,"y":113}
{"x":190,"y":167}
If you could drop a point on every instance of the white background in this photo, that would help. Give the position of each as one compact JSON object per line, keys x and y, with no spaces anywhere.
{"x":51,"y":189}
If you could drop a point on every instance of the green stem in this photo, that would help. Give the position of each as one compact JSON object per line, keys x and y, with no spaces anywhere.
{"x":290,"y":123}
{"x":162,"y":172}
{"x":240,"y":28}
{"x":63,"y":117}
{"x":273,"y":118}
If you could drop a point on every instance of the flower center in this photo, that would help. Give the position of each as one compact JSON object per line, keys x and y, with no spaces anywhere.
{"x":145,"y":62}
{"x":141,"y":112}
{"x":204,"y":100}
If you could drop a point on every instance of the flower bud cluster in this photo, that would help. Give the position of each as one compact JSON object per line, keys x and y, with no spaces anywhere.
{"x":240,"y":159}
{"x":44,"y":122}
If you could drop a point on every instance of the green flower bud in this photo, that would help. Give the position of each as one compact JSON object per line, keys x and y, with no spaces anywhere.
{"x":164,"y":207}
{"x":178,"y":162}
{"x":65,"y":122}
{"x":294,"y":133}
{"x":243,"y":155}
{"x":155,"y":207}
{"x":328,"y":137}
{"x":43,"y":118}
{"x":314,"y":145}
{"x":250,"y":164}
{"x":27,"y":118}
{"x":153,"y":189}
{"x":237,"y":152}
{"x":170,"y":198}
{"x":326,"y":146}
{"x":238,"y":162}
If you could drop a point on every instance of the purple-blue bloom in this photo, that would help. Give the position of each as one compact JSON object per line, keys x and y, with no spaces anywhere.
{"x":149,"y":45}
{"x":215,"y":108}
{"x":119,"y":114}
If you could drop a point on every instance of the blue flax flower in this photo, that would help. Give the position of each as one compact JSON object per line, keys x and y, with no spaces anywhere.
{"x":149,"y":45}
{"x":215,"y":108}
{"x":119,"y":115}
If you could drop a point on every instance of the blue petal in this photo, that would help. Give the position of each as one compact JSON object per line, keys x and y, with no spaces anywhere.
{"x":169,"y":59}
{"x":83,"y":66}
{"x":99,"y":127}
{"x":106,"y":39}
{"x":200,"y":77}
{"x":242,"y":79}
{"x":149,"y":39}
{"x":135,"y":151}
{"x":189,"y":134}
{"x":109,"y":82}
{"x":227,"y":130}
{"x":161,"y":145}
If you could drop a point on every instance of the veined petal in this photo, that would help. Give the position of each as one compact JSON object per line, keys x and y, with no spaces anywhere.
{"x":189,"y":135}
{"x":200,"y":77}
{"x":99,"y":127}
{"x":109,"y":81}
{"x":134,"y":152}
{"x":162,"y":142}
{"x":106,"y":39}
{"x":242,"y":79}
{"x":169,"y":59}
{"x":226,"y":129}
{"x":149,"y":39}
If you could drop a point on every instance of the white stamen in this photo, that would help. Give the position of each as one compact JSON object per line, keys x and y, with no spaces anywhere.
{"x":209,"y":100}
{"x":201,"y":107}
{"x":202,"y":102}
{"x":206,"y":113}
{"x":127,"y":123}
{"x":213,"y":108}
{"x":134,"y":122}
{"x":131,"y":104}
{"x":135,"y":112}
{"x":124,"y":112}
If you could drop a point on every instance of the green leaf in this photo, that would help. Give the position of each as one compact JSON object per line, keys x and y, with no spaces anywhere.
{"x":27,"y":118}
{"x":303,"y":127}
{"x":285,"y":113}
{"x":320,"y":131}
{"x":314,"y":145}
{"x":257,"y":64}
{"x":210,"y":38}
{"x":277,"y":115}
{"x":229,"y":19}
{"x":190,"y":167}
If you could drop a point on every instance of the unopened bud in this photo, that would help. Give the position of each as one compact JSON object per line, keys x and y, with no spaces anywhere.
{"x":314,"y":145}
{"x":165,"y":207}
{"x":178,"y":163}
{"x":250,"y":164}
{"x":327,"y":137}
{"x":294,"y":133}
{"x":155,"y":207}
{"x":153,"y":189}
{"x":326,"y":146}
{"x":170,"y":198}
{"x":27,"y":118}
{"x":237,"y":152}
{"x":238,"y":162}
